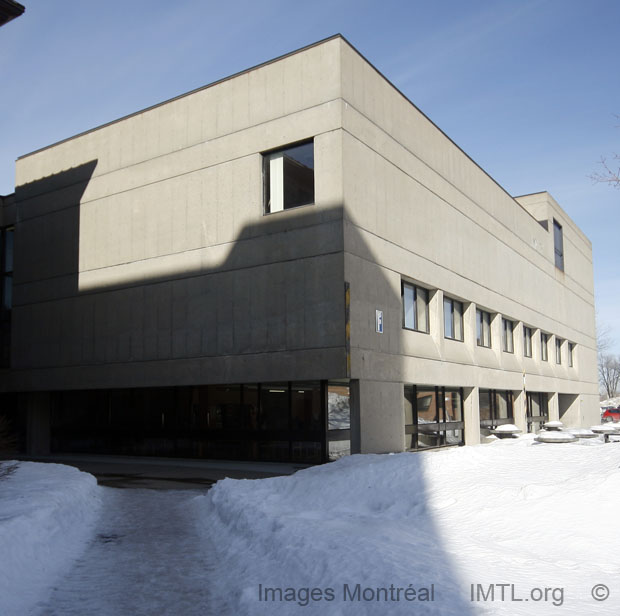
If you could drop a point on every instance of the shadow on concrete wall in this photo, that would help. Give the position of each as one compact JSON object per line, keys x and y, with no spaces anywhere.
{"x":275,"y":305}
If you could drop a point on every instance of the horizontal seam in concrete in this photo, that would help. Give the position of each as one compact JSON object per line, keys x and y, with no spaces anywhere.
{"x":173,"y":152}
{"x":132,"y":362}
{"x":472,"y":201}
{"x":514,"y":250}
{"x":474,"y":366}
{"x":468,"y":279}
{"x":172,"y":278}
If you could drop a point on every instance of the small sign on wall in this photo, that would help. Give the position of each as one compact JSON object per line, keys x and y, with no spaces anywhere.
{"x":379,"y":321}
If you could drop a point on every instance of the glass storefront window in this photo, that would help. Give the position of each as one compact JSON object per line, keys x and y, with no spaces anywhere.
{"x":537,"y":410}
{"x":306,"y":408}
{"x":269,"y":421}
{"x":274,"y":405}
{"x":338,"y":420}
{"x":433,"y":416}
{"x":496,"y":408}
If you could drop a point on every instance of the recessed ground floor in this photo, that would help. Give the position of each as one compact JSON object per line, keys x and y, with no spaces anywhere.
{"x":306,"y":422}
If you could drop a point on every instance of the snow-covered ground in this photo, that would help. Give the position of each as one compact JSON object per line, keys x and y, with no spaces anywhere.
{"x":514,"y":528}
{"x":344,"y":537}
{"x":47,"y":513}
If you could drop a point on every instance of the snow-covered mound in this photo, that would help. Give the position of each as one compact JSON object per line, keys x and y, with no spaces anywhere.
{"x":344,"y":538}
{"x":610,"y":403}
{"x":47,"y":512}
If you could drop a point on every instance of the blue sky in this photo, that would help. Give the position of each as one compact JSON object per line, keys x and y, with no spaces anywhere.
{"x":528,"y":88}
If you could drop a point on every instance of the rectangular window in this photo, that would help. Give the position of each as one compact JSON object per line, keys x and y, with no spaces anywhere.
{"x":558,"y":244}
{"x":544,"y":351}
{"x":527,"y":341}
{"x":338,"y":420}
{"x":558,"y":351}
{"x":289,"y":177}
{"x":483,"y":328}
{"x":433,"y":416}
{"x":507,"y":336}
{"x":571,"y":349}
{"x":415,"y":307}
{"x":496,"y":409}
{"x":453,"y":319}
{"x":537,"y":411}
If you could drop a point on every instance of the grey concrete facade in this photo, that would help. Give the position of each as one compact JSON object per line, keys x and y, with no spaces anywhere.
{"x":144,"y":257}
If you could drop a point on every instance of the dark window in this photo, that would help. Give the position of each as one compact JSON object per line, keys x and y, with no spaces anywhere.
{"x":433,"y":416}
{"x":284,"y":421}
{"x":483,"y":328}
{"x":558,"y":244}
{"x":527,"y":341}
{"x":558,"y":350}
{"x":496,"y":408}
{"x":452,"y":319}
{"x":289,"y":177}
{"x":544,"y":350}
{"x":415,"y":307}
{"x":507,"y":336}
{"x":571,"y":349}
{"x":537,"y":410}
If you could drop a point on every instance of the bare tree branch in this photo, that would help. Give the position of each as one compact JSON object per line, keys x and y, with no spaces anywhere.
{"x":609,"y":373}
{"x":610,"y":175}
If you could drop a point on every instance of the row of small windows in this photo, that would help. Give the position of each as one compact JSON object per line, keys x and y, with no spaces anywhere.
{"x":415,"y":317}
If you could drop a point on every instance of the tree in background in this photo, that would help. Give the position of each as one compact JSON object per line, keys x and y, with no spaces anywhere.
{"x":609,"y":374}
{"x":611,"y":170}
{"x":608,"y":364}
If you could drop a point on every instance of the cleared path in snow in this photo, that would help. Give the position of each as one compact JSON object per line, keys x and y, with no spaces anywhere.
{"x":147,"y":557}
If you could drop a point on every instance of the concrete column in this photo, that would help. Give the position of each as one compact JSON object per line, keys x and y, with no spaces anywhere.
{"x":382,"y":420}
{"x":471,"y":410}
{"x":554,"y":408}
{"x":569,"y":409}
{"x":435,"y":314}
{"x":38,"y":438}
{"x":469,"y":328}
{"x":520,"y":410}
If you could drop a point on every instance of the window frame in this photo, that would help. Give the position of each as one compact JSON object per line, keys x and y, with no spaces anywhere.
{"x":441,"y":426}
{"x":544,"y":346}
{"x":453,"y":323}
{"x":505,"y":338}
{"x":542,"y":400}
{"x":493,"y":396}
{"x":481,"y":330}
{"x":571,"y":357}
{"x":528,"y":337}
{"x":270,"y":155}
{"x":558,"y":245}
{"x":558,"y":350}
{"x":418,"y":302}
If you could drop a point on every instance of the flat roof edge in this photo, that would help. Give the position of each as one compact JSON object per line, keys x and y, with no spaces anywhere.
{"x":190,"y":92}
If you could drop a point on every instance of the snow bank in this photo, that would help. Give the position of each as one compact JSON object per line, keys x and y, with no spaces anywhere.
{"x":46,"y":515}
{"x":344,"y":538}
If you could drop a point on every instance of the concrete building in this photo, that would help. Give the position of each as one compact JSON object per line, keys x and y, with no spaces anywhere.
{"x":288,"y":264}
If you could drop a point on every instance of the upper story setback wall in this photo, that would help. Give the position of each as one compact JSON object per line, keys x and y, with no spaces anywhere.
{"x":145,"y":240}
